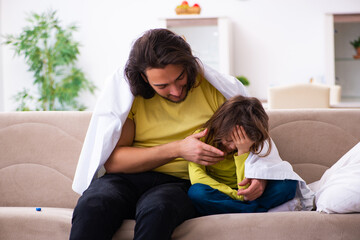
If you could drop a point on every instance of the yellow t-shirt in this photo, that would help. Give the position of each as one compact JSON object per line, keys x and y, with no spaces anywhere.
{"x":159,"y":121}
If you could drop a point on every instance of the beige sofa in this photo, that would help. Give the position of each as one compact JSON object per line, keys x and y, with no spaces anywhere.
{"x":39,"y":153}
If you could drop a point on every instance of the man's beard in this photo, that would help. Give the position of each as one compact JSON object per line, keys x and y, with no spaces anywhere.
{"x":181,"y":100}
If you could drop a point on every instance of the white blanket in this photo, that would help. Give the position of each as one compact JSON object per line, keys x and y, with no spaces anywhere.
{"x":112,"y":109}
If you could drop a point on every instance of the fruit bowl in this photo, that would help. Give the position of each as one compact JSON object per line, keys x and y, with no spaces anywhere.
{"x":184,"y":8}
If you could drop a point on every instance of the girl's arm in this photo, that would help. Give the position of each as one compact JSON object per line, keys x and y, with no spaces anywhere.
{"x":243,"y":144}
{"x":240,"y":168}
{"x":198,"y":174}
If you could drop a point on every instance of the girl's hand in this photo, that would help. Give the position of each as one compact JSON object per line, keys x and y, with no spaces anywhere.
{"x":255,"y":189}
{"x":241,"y":140}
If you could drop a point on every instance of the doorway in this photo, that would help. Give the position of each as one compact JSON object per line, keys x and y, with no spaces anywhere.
{"x":346,"y":64}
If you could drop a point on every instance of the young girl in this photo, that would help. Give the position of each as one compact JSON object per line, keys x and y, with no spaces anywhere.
{"x":239,"y":128}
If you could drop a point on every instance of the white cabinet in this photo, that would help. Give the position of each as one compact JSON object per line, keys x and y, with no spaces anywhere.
{"x":209,"y":37}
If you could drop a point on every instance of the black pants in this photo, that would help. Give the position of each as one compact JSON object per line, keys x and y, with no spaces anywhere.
{"x":158,"y":203}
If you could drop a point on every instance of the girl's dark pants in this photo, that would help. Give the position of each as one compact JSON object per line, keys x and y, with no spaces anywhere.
{"x":210,"y":201}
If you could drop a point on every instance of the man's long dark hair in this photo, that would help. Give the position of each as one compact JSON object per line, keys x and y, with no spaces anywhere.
{"x":157,"y":48}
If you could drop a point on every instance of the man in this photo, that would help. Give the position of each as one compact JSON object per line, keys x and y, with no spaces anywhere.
{"x":146,"y":172}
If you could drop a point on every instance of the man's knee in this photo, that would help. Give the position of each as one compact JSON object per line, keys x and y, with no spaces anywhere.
{"x":91,"y":203}
{"x":102,"y":201}
{"x":101,"y":210}
{"x":157,"y":217}
{"x":169,"y":201}
{"x":163,"y":209}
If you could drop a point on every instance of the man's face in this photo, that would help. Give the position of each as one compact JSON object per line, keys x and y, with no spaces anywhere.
{"x":169,"y":82}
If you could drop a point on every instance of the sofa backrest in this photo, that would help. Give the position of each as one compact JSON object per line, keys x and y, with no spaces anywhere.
{"x":39,"y":150}
{"x":38,"y":157}
{"x":312,"y":140}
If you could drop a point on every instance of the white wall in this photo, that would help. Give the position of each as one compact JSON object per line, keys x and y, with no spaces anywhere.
{"x":276,"y":42}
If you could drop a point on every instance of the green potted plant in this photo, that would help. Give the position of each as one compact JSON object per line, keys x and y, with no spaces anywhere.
{"x":243,"y":80}
{"x":356,"y":45}
{"x":51,"y":53}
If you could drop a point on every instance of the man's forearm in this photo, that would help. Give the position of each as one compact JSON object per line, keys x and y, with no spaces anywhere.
{"x":129,"y":159}
{"x":133,"y":159}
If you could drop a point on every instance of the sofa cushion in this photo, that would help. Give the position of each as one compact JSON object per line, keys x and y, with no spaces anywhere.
{"x":280,"y":225}
{"x":313,"y":140}
{"x":259,"y":226}
{"x":25,"y":223}
{"x":39,"y":152}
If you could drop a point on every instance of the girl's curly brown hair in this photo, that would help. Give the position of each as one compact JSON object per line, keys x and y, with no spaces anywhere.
{"x":243,"y":111}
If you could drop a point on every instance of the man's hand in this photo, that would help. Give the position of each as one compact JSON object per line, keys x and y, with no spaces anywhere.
{"x":255,"y":190}
{"x":194,"y":150}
